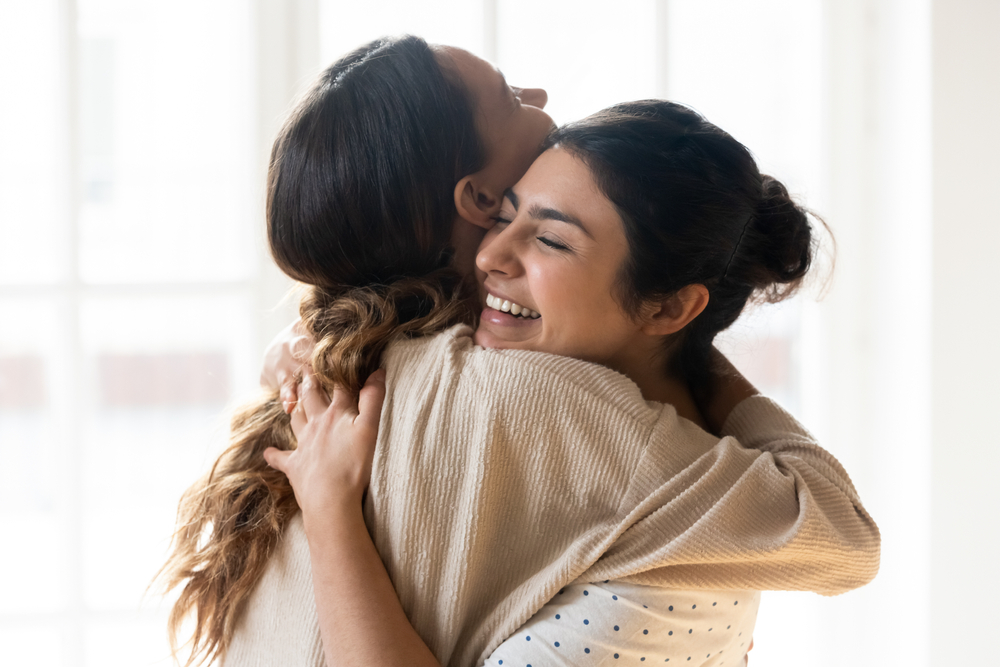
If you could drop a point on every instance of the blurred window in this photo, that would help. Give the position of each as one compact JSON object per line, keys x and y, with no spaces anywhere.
{"x":127,"y":321}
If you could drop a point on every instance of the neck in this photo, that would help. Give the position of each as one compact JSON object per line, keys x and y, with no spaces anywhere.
{"x":649,"y":372}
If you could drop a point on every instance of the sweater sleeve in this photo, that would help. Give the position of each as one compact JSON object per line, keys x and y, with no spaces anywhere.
{"x":771,"y":510}
{"x":760,"y":423}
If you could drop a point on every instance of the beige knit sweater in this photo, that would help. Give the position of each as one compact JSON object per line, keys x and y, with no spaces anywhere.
{"x":501,"y":476}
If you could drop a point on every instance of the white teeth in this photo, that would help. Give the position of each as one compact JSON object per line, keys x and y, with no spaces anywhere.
{"x":506,"y":306}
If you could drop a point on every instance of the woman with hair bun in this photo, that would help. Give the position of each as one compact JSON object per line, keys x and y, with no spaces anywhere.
{"x":632,"y":241}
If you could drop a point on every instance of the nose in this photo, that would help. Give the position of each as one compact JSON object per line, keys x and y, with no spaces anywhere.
{"x":498,"y":254}
{"x":536,"y":97}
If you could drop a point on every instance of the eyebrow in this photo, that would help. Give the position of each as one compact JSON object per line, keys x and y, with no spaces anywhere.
{"x":544,"y":213}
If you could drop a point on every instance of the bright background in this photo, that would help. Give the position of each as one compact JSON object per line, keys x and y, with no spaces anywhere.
{"x":136,"y":295}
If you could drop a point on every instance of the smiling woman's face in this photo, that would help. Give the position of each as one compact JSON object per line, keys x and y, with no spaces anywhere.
{"x":556,"y":251}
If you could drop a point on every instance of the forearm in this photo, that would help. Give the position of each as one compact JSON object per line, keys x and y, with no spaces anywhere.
{"x":361,"y":620}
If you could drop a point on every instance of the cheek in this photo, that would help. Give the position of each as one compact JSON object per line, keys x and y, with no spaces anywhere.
{"x":578,"y":299}
{"x":526,"y":145}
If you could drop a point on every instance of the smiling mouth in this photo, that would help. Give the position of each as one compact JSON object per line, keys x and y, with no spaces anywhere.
{"x":515,"y":309}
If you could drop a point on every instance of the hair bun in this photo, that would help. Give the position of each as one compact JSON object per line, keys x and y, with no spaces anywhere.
{"x":778,"y":252}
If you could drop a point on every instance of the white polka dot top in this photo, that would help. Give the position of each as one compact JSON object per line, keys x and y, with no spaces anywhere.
{"x":615,"y":623}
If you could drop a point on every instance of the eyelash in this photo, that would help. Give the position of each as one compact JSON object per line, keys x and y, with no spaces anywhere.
{"x":544,"y":241}
{"x":552,"y":244}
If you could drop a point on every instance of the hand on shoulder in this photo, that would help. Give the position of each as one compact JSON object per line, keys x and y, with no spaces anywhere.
{"x":331,"y":466}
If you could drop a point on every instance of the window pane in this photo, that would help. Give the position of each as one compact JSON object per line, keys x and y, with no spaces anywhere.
{"x":33,"y":443}
{"x":132,"y":643}
{"x":764,"y":346}
{"x":32,"y":127}
{"x":755,"y":70}
{"x":345,"y":25}
{"x":38,"y":647}
{"x":160,"y":372}
{"x":585,"y":56}
{"x":164,"y":130}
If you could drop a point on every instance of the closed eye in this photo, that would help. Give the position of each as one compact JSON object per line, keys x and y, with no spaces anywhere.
{"x":552,"y":244}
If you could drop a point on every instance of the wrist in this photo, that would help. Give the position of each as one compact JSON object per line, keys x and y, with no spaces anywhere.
{"x":335,"y":515}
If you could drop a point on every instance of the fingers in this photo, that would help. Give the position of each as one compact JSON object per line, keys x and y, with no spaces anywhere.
{"x":277,"y":458}
{"x":312,"y":402}
{"x":279,"y":357}
{"x":311,"y":399}
{"x":371,"y":398}
{"x":342,"y":402}
{"x":301,"y":348}
{"x":298,"y":422}
{"x":289,"y":393}
{"x":372,"y":395}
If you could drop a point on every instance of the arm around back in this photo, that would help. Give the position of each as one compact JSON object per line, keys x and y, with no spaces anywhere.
{"x":765,"y":508}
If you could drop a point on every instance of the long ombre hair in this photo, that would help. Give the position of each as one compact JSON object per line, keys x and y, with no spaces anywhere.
{"x":359,"y":207}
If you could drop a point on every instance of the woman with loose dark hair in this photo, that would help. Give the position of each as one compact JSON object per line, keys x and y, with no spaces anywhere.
{"x":365,"y":182}
{"x":371,"y":192}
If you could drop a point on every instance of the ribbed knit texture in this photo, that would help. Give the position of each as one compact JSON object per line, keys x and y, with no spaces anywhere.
{"x":279,"y":626}
{"x":501,"y":476}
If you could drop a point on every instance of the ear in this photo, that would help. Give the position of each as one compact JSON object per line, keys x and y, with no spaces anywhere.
{"x":476,"y":203}
{"x":672,"y":314}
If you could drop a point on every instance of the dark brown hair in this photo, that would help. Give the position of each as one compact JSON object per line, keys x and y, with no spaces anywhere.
{"x":360,"y":207}
{"x":696,"y":210}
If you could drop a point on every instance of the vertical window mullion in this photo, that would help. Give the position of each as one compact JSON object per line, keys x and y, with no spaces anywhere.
{"x":69,"y":302}
{"x":662,"y":49}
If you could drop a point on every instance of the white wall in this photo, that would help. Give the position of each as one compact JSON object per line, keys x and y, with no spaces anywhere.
{"x":865,"y":347}
{"x":287,"y":55}
{"x":965,"y":529}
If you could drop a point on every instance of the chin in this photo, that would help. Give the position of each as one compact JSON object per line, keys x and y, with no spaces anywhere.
{"x":490,"y":341}
{"x":483,"y":339}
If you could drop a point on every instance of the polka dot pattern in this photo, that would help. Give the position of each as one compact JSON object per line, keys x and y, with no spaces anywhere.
{"x":623,"y":622}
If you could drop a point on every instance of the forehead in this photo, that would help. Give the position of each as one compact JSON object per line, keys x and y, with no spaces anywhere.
{"x":558,"y":170}
{"x":481,"y":79}
{"x":561,"y":180}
